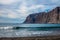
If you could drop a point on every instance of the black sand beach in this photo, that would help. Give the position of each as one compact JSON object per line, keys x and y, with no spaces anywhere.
{"x":32,"y":38}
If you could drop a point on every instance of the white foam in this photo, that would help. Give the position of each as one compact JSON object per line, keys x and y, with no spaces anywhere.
{"x":8,"y":27}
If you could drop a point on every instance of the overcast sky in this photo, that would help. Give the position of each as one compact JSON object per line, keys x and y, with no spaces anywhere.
{"x":16,"y":11}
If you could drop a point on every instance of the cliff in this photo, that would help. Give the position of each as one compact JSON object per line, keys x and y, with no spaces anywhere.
{"x":52,"y":16}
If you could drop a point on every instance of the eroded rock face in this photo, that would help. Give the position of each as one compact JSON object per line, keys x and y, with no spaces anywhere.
{"x":52,"y":16}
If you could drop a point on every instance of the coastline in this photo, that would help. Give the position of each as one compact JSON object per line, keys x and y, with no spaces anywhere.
{"x":57,"y":37}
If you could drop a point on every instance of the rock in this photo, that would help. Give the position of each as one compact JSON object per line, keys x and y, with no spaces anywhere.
{"x":52,"y":16}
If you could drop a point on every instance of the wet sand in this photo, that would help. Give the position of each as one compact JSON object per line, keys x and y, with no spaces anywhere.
{"x":32,"y":38}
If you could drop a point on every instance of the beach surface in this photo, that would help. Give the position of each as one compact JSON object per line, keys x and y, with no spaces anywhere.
{"x":32,"y":38}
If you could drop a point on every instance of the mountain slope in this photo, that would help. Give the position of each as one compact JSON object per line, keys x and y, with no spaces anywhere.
{"x":52,"y":16}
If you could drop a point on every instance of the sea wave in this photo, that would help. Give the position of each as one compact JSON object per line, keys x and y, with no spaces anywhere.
{"x":11,"y":27}
{"x":8,"y":27}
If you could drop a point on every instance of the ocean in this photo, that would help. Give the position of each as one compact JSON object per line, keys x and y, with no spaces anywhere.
{"x":28,"y":30}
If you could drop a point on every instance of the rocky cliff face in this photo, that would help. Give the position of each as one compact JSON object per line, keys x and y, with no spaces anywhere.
{"x":52,"y":16}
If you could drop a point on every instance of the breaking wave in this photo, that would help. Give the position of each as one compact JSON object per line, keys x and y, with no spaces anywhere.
{"x":8,"y":27}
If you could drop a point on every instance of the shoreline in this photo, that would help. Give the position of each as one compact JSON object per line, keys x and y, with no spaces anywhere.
{"x":32,"y":38}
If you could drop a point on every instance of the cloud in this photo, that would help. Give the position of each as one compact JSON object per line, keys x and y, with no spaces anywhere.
{"x":47,"y":2}
{"x":12,"y":15}
{"x":55,"y":1}
{"x":7,"y":20}
{"x":37,"y":6}
{"x":22,"y":8}
{"x":8,"y":1}
{"x":8,"y":13}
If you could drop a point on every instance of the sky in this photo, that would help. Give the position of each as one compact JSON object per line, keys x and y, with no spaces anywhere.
{"x":16,"y":11}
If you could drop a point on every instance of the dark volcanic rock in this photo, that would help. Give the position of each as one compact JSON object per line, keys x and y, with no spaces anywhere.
{"x":52,"y":16}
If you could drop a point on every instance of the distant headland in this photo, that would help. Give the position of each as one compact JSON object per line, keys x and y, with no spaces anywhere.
{"x":52,"y":16}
